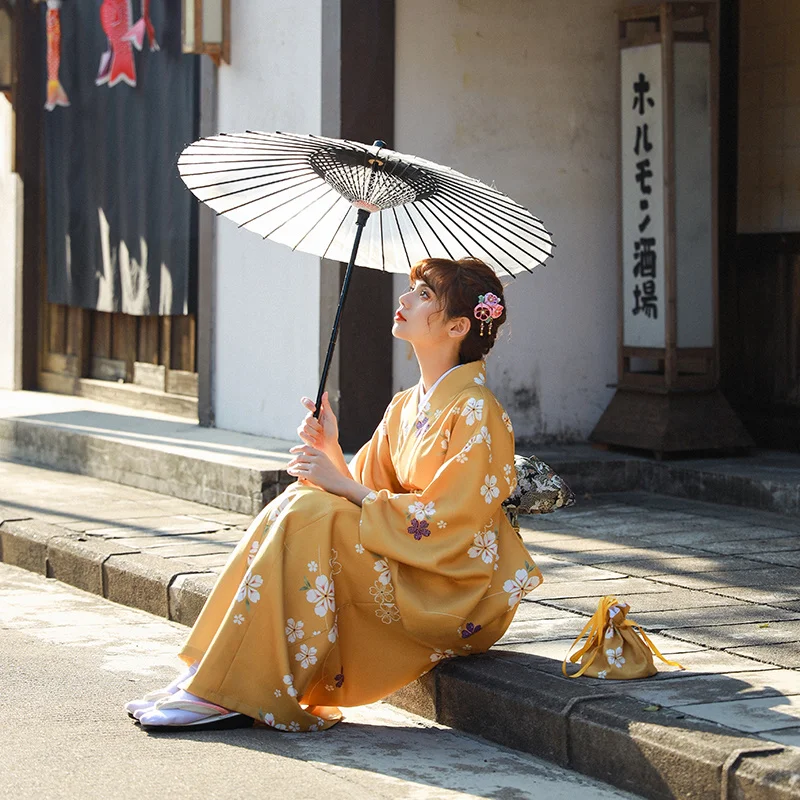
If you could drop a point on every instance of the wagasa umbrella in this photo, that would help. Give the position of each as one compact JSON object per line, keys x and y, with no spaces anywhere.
{"x":311,"y":192}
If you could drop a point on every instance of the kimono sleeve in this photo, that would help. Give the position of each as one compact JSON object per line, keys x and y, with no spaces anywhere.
{"x":372,"y":465}
{"x":436,"y":530}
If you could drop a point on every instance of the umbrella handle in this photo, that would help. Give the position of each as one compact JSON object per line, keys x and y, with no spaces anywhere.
{"x":361,"y":221}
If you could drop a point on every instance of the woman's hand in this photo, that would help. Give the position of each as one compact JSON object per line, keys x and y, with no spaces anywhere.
{"x":322,"y":433}
{"x":311,"y":465}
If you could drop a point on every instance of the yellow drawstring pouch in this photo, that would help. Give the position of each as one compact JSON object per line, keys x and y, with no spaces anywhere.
{"x":616,"y":647}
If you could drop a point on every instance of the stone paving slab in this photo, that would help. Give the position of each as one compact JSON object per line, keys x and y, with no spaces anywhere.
{"x":714,"y":615}
{"x":759,"y":715}
{"x":725,"y":636}
{"x":670,"y":600}
{"x":786,"y":654}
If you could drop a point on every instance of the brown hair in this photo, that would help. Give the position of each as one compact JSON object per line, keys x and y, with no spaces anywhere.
{"x":457,"y":285}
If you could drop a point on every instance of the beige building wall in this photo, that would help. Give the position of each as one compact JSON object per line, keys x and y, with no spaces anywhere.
{"x":523,"y":94}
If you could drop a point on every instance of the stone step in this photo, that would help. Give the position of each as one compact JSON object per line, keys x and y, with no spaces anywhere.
{"x":241,"y":472}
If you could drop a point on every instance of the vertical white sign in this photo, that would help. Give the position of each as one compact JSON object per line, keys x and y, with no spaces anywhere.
{"x":642,"y":141}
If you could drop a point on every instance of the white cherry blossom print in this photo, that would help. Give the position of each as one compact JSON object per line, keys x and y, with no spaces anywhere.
{"x":441,"y":523}
{"x":370,"y":498}
{"x":480,"y":379}
{"x":294,"y":726}
{"x":248,"y":589}
{"x":333,"y":633}
{"x":489,"y":489}
{"x":484,"y":547}
{"x":323,"y":597}
{"x":421,"y":511}
{"x":238,"y":619}
{"x":462,"y":457}
{"x":382,"y":567}
{"x":473,"y":410}
{"x":294,"y":630}
{"x":307,"y":656}
{"x":253,"y":552}
{"x":289,"y":681}
{"x":507,"y":422}
{"x":485,"y":436}
{"x":359,"y":548}
{"x":278,"y":693}
{"x":610,"y":631}
{"x":520,"y":586}
{"x":602,"y":674}
{"x":312,"y":566}
{"x":615,"y":658}
{"x":439,"y":655}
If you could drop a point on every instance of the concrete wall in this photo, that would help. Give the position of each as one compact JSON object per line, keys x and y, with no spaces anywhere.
{"x":10,"y":258}
{"x":267,"y":298}
{"x":522,"y":93}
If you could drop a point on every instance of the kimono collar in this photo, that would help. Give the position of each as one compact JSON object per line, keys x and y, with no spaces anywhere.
{"x":455,"y":380}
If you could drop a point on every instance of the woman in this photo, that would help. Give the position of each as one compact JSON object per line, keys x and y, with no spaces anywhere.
{"x":357,"y":580}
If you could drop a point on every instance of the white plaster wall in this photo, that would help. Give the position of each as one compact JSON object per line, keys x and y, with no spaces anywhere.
{"x":267,"y":297}
{"x":522,"y":93}
{"x":10,"y":257}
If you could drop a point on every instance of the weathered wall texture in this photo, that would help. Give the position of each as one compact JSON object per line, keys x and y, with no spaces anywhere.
{"x":267,"y":297}
{"x":10,"y":258}
{"x":522,"y":93}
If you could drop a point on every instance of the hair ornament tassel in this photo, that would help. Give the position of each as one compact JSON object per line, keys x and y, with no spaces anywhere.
{"x":488,"y":309}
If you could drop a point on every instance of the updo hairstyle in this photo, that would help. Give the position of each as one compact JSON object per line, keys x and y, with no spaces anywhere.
{"x":457,"y":285}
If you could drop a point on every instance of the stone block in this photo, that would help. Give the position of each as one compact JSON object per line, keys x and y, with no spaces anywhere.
{"x":24,"y":543}
{"x":784,"y":654}
{"x":506,"y":703}
{"x":770,"y":776}
{"x":78,"y":561}
{"x":8,"y":514}
{"x":187,"y":596}
{"x":655,"y":754}
{"x":141,"y":581}
{"x":418,"y":697}
{"x":621,"y":587}
{"x":757,"y":715}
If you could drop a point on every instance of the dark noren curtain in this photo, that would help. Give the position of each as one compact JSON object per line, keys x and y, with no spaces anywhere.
{"x":120,"y":223}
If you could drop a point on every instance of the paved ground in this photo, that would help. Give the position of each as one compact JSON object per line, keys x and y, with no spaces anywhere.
{"x":718,"y":586}
{"x":70,"y":660}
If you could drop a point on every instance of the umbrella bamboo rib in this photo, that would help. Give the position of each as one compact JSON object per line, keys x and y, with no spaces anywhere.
{"x":493,"y":244}
{"x":438,"y":238}
{"x":335,"y":234}
{"x":516,"y":212}
{"x":321,"y":216}
{"x":416,"y":230}
{"x":402,"y":238}
{"x":429,"y":204}
{"x":222,"y":167}
{"x":280,"y":205}
{"x":493,"y":224}
{"x":263,"y":197}
{"x":514,"y":219}
{"x":286,"y":176}
{"x":486,"y":222}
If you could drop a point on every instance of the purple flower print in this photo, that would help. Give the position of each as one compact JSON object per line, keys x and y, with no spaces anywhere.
{"x":419,"y":529}
{"x":422,"y":426}
{"x":469,"y":629}
{"x":339,"y":680}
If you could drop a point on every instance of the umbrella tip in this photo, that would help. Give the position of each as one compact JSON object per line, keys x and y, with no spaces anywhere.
{"x":379,"y":143}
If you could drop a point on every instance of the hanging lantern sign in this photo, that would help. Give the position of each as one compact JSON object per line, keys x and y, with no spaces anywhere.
{"x":6,"y":45}
{"x":206,"y":28}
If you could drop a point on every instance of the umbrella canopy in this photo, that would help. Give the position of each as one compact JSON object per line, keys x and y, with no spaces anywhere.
{"x":306,"y":191}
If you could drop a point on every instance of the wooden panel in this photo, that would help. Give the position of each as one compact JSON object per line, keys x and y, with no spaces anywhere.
{"x":152,"y":376}
{"x":183,"y":343}
{"x":147,"y":351}
{"x":123,"y":341}
{"x":182,"y":382}
{"x":101,"y":334}
{"x":56,"y":329}
{"x":60,"y":363}
{"x":107,"y":369}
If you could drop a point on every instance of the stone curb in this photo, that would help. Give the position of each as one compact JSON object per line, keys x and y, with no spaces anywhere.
{"x":610,"y":737}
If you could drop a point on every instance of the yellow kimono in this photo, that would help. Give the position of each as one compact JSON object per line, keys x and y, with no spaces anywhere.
{"x":326,"y":604}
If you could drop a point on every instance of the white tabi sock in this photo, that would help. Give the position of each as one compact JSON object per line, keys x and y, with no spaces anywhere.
{"x":147,"y":702}
{"x":179,"y":716}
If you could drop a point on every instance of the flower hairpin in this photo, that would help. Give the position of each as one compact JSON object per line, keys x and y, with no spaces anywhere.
{"x":488,"y":308}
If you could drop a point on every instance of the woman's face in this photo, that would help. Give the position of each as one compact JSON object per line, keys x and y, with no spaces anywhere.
{"x":416,"y":319}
